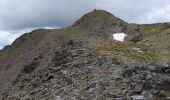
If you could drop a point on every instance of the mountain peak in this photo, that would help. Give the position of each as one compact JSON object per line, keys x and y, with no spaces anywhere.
{"x":99,"y":18}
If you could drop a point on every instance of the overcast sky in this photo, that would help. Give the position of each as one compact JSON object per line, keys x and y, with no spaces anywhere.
{"x":19,"y":16}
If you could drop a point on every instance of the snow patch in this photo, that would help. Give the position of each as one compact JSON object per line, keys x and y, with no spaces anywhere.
{"x":119,"y":36}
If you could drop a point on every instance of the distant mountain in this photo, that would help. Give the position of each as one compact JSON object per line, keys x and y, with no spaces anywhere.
{"x":83,"y":61}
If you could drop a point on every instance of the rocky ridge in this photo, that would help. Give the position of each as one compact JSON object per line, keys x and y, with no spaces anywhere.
{"x":76,"y":73}
{"x":83,"y":62}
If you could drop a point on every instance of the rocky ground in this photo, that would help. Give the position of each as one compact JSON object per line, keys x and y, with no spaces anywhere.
{"x":75,"y":73}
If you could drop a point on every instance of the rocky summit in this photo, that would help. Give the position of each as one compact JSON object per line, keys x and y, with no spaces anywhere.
{"x":85,"y":62}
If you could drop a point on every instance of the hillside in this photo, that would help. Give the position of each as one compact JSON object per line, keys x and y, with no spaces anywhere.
{"x":83,"y":61}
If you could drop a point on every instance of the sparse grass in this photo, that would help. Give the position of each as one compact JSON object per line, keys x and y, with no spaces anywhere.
{"x":107,"y":22}
{"x":155,"y":43}
{"x":76,"y":32}
{"x":122,"y":50}
{"x":159,"y":40}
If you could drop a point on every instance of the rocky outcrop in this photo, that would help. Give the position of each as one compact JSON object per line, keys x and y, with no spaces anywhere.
{"x":76,"y":73}
{"x":147,"y":81}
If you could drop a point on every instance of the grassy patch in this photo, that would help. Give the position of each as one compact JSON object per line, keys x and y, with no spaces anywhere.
{"x":125,"y":50}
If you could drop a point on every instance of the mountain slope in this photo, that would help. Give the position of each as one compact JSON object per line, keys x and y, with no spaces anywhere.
{"x":84,"y":62}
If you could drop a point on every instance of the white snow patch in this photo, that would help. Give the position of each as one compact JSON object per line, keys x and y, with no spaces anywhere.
{"x":119,"y":36}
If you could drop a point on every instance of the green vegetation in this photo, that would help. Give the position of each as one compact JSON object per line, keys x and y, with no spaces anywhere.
{"x":126,"y":50}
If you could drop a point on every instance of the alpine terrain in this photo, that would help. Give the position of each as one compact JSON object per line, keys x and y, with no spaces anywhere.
{"x":87,"y":61}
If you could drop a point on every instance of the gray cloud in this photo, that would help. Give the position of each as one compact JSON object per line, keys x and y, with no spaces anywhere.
{"x":20,"y":14}
{"x":139,"y":11}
